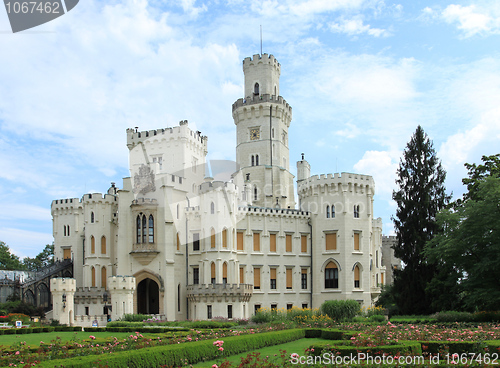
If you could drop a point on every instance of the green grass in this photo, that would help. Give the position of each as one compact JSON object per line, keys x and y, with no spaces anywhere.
{"x":33,"y":340}
{"x":298,"y":346}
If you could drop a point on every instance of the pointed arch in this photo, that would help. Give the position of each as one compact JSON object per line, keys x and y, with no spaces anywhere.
{"x":103,"y":245}
{"x":138,"y":229}
{"x":357,"y":276}
{"x":92,"y":217}
{"x":212,"y":208}
{"x":144,"y":224}
{"x":92,"y":245}
{"x":212,"y":238}
{"x":331,"y":274}
{"x":256,"y":89}
{"x":64,"y":230}
{"x":224,"y":238}
{"x":151,"y":223}
{"x":104,"y":277}
{"x":92,"y":276}
{"x":333,"y":211}
{"x":256,"y":160}
{"x":212,"y":273}
{"x":327,"y":211}
{"x":255,"y":193}
{"x":224,"y":273}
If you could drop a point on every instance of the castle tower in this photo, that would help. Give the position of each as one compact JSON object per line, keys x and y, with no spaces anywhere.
{"x":262,"y":120}
{"x":63,"y":293}
{"x":122,"y":290}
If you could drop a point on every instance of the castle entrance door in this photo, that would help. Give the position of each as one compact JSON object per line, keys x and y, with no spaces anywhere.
{"x":148,"y":297}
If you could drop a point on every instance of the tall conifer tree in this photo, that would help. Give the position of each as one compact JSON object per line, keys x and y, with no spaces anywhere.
{"x":420,"y":196}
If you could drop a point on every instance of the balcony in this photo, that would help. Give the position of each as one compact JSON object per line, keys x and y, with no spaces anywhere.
{"x":220,"y":292}
{"x":144,"y":253}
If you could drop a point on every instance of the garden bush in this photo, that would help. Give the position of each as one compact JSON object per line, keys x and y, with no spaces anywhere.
{"x":135,"y":317}
{"x":377,"y":318}
{"x":341,"y":310}
{"x":453,"y":316}
{"x":451,"y":347}
{"x":345,"y":348}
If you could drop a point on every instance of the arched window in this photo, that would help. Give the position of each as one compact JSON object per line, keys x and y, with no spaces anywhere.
{"x":256,"y":89}
{"x":92,"y":244}
{"x":327,"y":211}
{"x":68,"y":230}
{"x":256,"y":160}
{"x":103,"y":245}
{"x":92,"y":217}
{"x":151,"y":229}
{"x":356,"y":276}
{"x":104,"y":277}
{"x":178,"y":242}
{"x":64,"y":230}
{"x":212,"y":208}
{"x":212,"y":238}
{"x":138,"y":225}
{"x":224,"y":238}
{"x":255,"y":194}
{"x":333,"y":211}
{"x":224,"y":273}
{"x":331,"y":276}
{"x":212,"y":273}
{"x":92,"y":275}
{"x":144,"y":231}
{"x":253,"y":160}
{"x":356,"y":211}
{"x":177,"y":211}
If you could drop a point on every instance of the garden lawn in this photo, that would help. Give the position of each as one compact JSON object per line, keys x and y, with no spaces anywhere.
{"x":298,"y":346}
{"x":33,"y":339}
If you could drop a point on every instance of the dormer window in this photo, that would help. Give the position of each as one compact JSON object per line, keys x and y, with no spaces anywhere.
{"x":256,"y":89}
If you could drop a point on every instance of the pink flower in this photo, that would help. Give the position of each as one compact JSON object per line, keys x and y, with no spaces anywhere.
{"x":215,"y":366}
{"x":221,"y":348}
{"x":92,"y":337}
{"x":17,"y":352}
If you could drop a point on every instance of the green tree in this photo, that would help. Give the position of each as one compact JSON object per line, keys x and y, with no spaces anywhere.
{"x":421,"y":195}
{"x":44,"y":259}
{"x":469,"y":244}
{"x":9,"y":261}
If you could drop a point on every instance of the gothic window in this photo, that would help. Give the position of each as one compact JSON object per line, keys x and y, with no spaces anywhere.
{"x":212,"y":238}
{"x":333,"y":211}
{"x":224,"y":238}
{"x":224,"y":273}
{"x":92,"y":217}
{"x":151,"y":229}
{"x":256,"y":89}
{"x":196,"y":276}
{"x":212,"y":273}
{"x":92,"y":245}
{"x":212,"y":208}
{"x":92,"y":275}
{"x":103,"y":245}
{"x":68,"y":230}
{"x":64,"y":230}
{"x":331,"y":276}
{"x":327,"y":211}
{"x":356,"y":211}
{"x":138,"y":228}
{"x":144,"y":231}
{"x":356,"y":276}
{"x":253,"y":160}
{"x":256,"y":160}
{"x":103,"y":277}
{"x":255,"y":193}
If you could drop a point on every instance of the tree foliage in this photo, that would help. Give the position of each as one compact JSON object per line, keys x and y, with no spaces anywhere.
{"x":469,"y":244}
{"x":44,"y":259}
{"x":421,"y":195}
{"x":8,"y":260}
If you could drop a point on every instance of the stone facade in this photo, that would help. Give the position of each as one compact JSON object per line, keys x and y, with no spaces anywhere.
{"x":195,"y":244}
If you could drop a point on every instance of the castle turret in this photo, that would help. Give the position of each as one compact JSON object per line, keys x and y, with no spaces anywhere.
{"x":262,"y":120}
{"x":63,"y":292}
{"x":303,"y":170}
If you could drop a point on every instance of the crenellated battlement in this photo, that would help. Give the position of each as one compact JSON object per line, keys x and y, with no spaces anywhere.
{"x":182,"y":131}
{"x":99,"y":198}
{"x":217,"y":185}
{"x":266,"y":211}
{"x":344,"y":179}
{"x":254,"y":100}
{"x":257,"y":59}
{"x":125,"y":283}
{"x":65,"y":204}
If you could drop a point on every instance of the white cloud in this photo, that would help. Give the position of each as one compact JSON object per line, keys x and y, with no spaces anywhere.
{"x":471,"y":19}
{"x":350,"y":131}
{"x":22,"y":211}
{"x":24,"y":243}
{"x":355,"y":26}
{"x":382,"y":165}
{"x":189,"y":7}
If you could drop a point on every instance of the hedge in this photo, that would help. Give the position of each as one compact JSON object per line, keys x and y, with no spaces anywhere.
{"x":345,"y":348}
{"x":181,"y":354}
{"x":137,"y":329}
{"x":452,"y":347}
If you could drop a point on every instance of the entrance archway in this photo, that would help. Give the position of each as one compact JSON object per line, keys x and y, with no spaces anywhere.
{"x":148,"y":297}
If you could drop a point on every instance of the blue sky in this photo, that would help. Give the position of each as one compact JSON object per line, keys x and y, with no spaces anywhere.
{"x":360,"y":76}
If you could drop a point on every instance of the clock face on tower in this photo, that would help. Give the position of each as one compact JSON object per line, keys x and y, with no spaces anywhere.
{"x":254,"y":134}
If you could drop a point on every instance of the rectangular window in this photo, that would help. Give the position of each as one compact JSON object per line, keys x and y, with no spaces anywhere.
{"x":289,"y":306}
{"x":209,"y":312}
{"x":256,"y":242}
{"x":303,"y":243}
{"x":303,"y":278}
{"x":67,"y":253}
{"x":256,"y":307}
{"x":356,"y":241}
{"x":304,"y":306}
{"x":86,"y":311}
{"x":331,"y":241}
{"x":242,"y":276}
{"x":196,"y":241}
{"x":288,"y":242}
{"x":273,"y":278}
{"x":239,"y":241}
{"x":196,"y":276}
{"x":274,"y":306}
{"x":382,"y":278}
{"x":272,"y":241}
{"x":256,"y":278}
{"x":331,"y":278}
{"x":230,"y":311}
{"x":289,"y":278}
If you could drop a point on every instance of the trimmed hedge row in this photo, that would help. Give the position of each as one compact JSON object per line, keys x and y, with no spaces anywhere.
{"x":328,"y":334}
{"x":181,"y":354}
{"x":28,"y":330}
{"x":345,"y":348}
{"x":452,"y":347}
{"x":140,"y":329}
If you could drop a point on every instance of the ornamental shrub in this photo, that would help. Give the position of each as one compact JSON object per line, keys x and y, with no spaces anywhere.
{"x":341,"y":310}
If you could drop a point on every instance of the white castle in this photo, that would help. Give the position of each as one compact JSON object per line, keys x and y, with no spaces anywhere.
{"x":185,"y":242}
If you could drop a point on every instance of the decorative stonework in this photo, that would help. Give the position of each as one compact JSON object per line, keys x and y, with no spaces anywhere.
{"x":144,"y":180}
